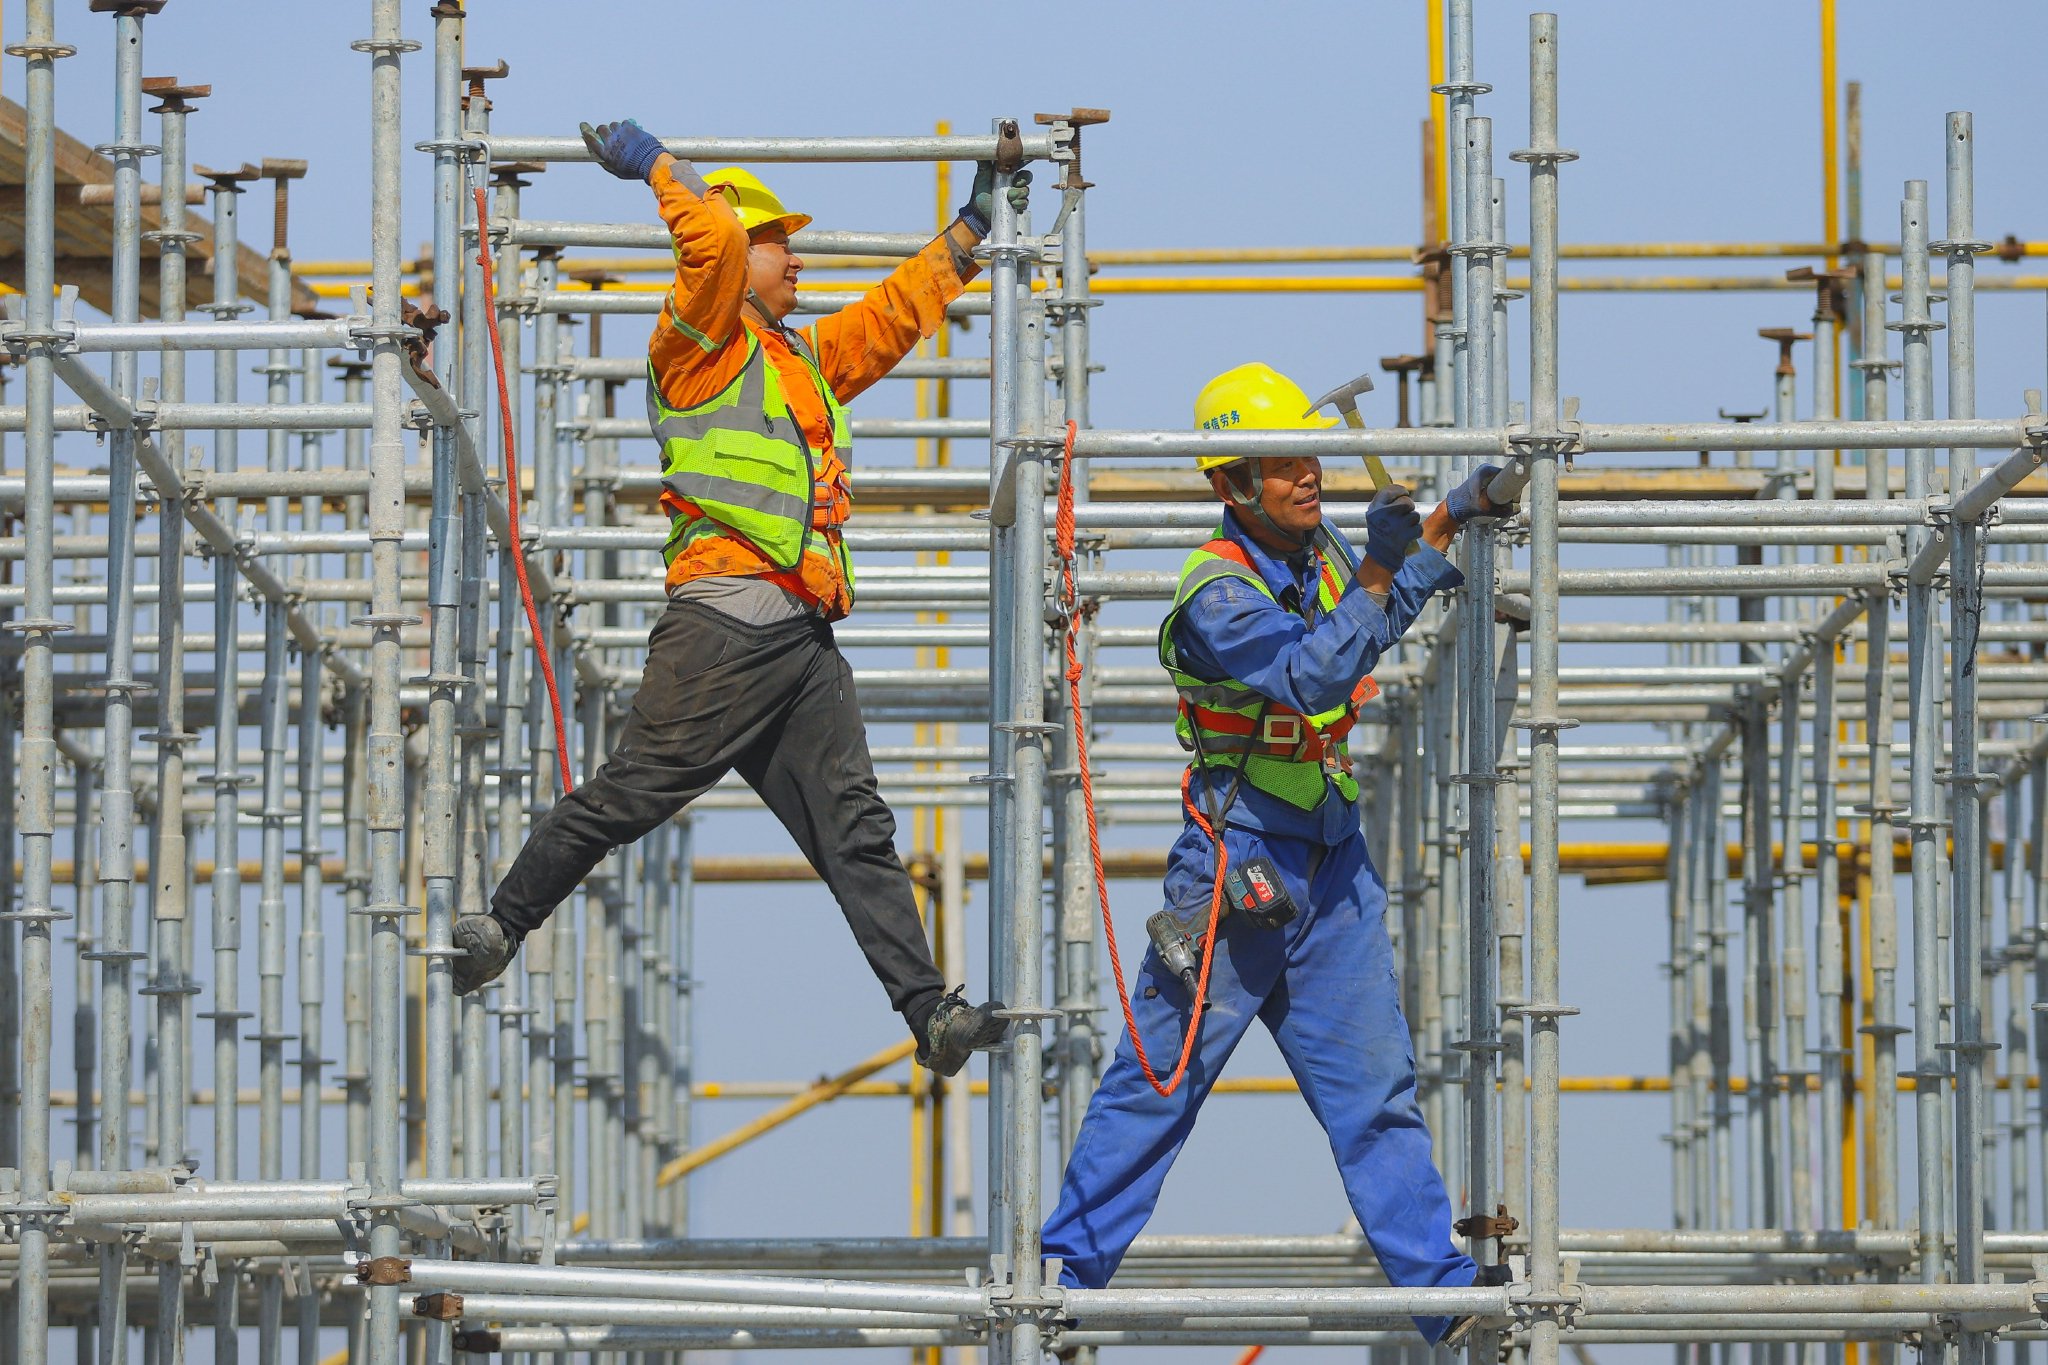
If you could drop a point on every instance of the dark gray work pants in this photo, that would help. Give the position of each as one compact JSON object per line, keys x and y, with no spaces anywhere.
{"x":775,"y":702}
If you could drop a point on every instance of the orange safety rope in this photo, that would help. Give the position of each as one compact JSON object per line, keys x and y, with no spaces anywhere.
{"x":1070,"y":600}
{"x":518,"y":548}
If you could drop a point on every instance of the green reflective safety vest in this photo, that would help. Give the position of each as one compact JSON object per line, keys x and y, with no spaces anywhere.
{"x":741,"y":466}
{"x":1285,"y":753}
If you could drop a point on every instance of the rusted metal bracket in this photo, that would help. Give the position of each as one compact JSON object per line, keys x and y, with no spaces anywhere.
{"x":1487,"y":1226}
{"x":1009,"y":148}
{"x":441,"y":1307}
{"x":384,"y":1271}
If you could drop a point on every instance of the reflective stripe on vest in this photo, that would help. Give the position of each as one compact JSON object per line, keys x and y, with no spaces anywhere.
{"x":1285,"y":753}
{"x":741,"y":463}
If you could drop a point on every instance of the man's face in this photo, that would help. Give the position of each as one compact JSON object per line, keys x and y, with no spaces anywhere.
{"x":1290,"y":490}
{"x":772,"y":269}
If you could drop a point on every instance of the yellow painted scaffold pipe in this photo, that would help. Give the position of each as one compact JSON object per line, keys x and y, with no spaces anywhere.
{"x":828,"y":1089}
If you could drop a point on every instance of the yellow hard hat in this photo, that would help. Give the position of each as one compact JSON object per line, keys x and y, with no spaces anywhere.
{"x":754,"y":202}
{"x":1254,"y":397}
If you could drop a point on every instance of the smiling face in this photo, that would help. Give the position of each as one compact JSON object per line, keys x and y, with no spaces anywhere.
{"x":1290,"y":491}
{"x":772,"y":269}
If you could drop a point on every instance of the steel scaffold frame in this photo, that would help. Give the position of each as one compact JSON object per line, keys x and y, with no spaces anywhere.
{"x":400,"y":825}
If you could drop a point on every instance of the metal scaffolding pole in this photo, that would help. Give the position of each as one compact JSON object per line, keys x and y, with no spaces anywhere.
{"x":36,"y":768}
{"x":385,"y":741}
{"x":1478,"y":656}
{"x":1924,"y":651}
{"x":1967,"y":1047}
{"x":506,"y":1262}
{"x":1017,"y":452}
{"x":1546,"y":442}
{"x":1077,"y":968}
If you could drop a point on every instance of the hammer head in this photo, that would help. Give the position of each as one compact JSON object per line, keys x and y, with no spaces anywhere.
{"x":1344,"y":397}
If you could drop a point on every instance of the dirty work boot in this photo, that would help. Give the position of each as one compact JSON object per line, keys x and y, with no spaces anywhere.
{"x":489,"y":951}
{"x":957,"y":1028}
{"x":1454,"y":1339}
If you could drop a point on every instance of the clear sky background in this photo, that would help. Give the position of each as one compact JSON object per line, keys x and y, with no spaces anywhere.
{"x":1233,"y":125}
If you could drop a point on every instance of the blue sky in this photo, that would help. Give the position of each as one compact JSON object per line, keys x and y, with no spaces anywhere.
{"x":1233,"y":125}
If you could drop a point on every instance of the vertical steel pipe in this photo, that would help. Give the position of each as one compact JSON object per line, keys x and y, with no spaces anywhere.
{"x":472,"y":721}
{"x":1759,"y":969}
{"x":474,"y":871}
{"x":1882,"y":1161}
{"x":226,"y":889}
{"x":1678,"y":897}
{"x":1831,"y":962}
{"x":2037,"y":885}
{"x":1787,"y":960}
{"x":116,"y":872}
{"x":1479,"y":655}
{"x":1016,"y":912}
{"x":1077,"y":891}
{"x":1966,"y":610}
{"x":274,"y":724}
{"x":385,"y":747}
{"x":1462,"y":89}
{"x":444,"y":677}
{"x":36,"y":820}
{"x":1546,"y":442}
{"x":1924,"y":748}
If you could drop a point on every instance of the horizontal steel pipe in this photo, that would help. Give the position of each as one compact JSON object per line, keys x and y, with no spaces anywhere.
{"x":654,"y":237}
{"x":1316,"y":1307}
{"x":862,"y":428}
{"x":281,"y":334}
{"x":1619,"y":438}
{"x":922,"y":147}
{"x":471,"y":1277}
{"x":602,"y":1312}
{"x":616,"y":1340}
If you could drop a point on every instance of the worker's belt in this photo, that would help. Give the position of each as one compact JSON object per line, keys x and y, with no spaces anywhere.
{"x":1280,"y":735}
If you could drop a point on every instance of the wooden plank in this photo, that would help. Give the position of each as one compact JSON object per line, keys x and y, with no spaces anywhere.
{"x":85,"y":231}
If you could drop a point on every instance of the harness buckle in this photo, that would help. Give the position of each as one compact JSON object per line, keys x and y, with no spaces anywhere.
{"x":1282,"y":730}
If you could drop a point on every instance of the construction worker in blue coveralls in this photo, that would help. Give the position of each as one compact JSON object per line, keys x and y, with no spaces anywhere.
{"x":1271,"y":639}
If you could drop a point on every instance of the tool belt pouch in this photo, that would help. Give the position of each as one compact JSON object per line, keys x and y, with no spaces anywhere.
{"x":1253,"y":889}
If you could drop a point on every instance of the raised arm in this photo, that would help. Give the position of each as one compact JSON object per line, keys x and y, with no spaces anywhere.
{"x":862,"y":342}
{"x":691,"y":345}
{"x":691,"y":348}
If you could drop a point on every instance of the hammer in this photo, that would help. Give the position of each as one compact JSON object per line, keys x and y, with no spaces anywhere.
{"x":1345,"y":398}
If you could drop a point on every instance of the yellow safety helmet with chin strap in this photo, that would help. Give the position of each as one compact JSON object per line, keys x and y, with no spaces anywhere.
{"x":1254,"y":397}
{"x":753,"y":202}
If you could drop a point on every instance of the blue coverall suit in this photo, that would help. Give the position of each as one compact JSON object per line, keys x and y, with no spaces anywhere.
{"x":1324,"y":985}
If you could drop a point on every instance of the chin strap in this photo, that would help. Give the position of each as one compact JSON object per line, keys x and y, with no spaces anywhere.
{"x":762,"y":308}
{"x":1249,"y":505}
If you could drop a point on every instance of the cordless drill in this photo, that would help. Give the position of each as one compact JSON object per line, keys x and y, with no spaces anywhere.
{"x":1179,"y":947}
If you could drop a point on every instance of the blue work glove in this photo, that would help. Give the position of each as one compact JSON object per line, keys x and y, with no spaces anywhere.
{"x":979,"y":210}
{"x":1469,"y":500}
{"x":1391,"y":525}
{"x":624,"y":148}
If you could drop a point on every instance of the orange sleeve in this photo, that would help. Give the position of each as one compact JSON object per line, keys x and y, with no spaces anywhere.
{"x":863,"y":341}
{"x":692,"y":348}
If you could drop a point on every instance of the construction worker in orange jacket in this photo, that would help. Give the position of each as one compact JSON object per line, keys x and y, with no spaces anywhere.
{"x":742,"y":672}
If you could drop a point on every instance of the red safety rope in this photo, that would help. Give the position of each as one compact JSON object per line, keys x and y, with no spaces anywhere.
{"x":1064,"y":530}
{"x":518,"y":548}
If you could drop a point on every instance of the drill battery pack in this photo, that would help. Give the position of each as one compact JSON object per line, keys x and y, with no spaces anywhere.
{"x":1254,"y":889}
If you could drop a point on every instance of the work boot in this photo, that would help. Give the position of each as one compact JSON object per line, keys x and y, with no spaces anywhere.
{"x":956,"y":1029}
{"x":487,"y":950}
{"x":1462,"y":1328}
